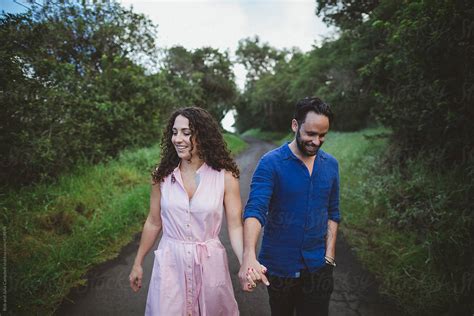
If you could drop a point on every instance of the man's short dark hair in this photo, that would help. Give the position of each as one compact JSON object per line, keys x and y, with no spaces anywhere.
{"x":311,"y":104}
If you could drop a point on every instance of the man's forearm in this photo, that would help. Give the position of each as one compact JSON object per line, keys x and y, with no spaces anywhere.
{"x":331,"y":239}
{"x":251,"y":271}
{"x":252,"y":228}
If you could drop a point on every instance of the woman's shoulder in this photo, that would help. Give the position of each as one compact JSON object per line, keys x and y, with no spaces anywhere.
{"x":161,"y":183}
{"x":228,"y":175}
{"x":230,"y":180}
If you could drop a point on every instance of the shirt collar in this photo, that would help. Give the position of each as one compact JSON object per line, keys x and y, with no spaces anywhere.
{"x":199,"y":170}
{"x":288,"y":154}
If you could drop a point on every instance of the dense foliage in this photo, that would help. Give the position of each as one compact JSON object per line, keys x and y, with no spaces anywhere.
{"x":74,"y":88}
{"x":202,"y":77}
{"x":407,"y":65}
{"x":415,"y":73}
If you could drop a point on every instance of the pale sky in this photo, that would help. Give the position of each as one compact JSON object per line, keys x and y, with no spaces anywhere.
{"x":222,"y":23}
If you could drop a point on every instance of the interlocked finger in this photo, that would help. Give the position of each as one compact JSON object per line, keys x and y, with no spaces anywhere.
{"x":250,"y":282}
{"x":256,"y":277}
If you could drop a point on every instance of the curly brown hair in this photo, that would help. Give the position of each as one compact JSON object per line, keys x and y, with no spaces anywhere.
{"x":211,"y":145}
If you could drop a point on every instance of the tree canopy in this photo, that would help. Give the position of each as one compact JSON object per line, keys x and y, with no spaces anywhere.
{"x":404,"y":64}
{"x":75,"y":89}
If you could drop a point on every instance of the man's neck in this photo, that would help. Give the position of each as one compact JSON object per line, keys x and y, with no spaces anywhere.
{"x":297,"y":152}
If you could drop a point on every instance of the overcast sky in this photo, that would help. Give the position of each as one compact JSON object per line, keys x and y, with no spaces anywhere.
{"x":222,"y":23}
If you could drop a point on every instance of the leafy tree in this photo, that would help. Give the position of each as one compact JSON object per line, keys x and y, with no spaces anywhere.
{"x":345,"y":14}
{"x":72,"y":91}
{"x":264,"y":98}
{"x":416,"y":72}
{"x":203,"y":78}
{"x":257,"y":58}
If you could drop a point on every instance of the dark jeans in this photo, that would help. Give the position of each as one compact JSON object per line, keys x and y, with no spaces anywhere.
{"x":308,"y":295}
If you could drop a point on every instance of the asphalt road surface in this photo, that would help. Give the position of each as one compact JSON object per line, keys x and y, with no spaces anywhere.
{"x":108,"y":291}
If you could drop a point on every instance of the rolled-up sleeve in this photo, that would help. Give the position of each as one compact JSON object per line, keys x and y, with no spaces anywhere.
{"x":333,"y":210}
{"x":261,"y":190}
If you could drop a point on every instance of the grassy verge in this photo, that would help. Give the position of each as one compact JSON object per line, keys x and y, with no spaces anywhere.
{"x":411,"y":224}
{"x":57,"y":232}
{"x":264,"y":135}
{"x":235,"y":143}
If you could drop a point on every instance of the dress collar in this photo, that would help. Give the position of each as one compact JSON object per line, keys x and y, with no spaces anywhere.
{"x":176,"y":170}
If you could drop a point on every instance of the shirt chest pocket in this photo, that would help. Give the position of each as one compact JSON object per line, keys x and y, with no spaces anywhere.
{"x":322,"y":195}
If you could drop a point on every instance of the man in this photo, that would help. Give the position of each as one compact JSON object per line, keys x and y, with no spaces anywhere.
{"x":295,"y":195}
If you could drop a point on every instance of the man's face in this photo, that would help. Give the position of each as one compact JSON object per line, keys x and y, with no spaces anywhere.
{"x":310,"y":135}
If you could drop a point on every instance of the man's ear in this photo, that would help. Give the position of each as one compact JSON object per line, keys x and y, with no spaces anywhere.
{"x":294,"y":125}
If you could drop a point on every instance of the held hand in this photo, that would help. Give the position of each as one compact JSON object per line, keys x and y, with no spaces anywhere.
{"x":135,"y":278}
{"x":251,"y":273}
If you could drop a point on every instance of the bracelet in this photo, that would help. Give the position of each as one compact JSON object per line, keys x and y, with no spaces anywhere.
{"x":330,"y":261}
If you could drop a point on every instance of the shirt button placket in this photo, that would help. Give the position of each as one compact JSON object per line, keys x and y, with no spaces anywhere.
{"x":189,"y":266}
{"x":188,"y":223}
{"x":190,"y":235}
{"x":189,"y":279}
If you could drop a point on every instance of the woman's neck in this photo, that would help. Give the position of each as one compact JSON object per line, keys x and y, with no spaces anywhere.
{"x":190,"y":166}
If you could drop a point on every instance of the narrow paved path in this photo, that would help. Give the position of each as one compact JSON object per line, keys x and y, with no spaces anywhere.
{"x":108,"y":291}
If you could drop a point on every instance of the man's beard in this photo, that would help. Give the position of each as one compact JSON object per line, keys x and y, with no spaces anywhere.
{"x":307,"y":149}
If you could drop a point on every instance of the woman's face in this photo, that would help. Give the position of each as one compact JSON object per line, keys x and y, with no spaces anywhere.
{"x":181,"y":138}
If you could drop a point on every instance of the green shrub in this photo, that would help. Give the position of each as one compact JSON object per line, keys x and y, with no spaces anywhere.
{"x":411,"y":224}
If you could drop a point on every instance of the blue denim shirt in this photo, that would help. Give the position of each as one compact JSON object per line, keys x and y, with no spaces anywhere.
{"x":293,"y":207}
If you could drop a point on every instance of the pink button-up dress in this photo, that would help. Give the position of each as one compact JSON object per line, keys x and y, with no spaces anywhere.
{"x":191,"y":273}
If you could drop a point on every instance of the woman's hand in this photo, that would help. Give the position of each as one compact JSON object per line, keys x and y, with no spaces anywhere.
{"x":251,"y":273}
{"x":136,"y":277}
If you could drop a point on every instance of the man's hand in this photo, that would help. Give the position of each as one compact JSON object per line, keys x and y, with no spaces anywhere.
{"x":251,"y":273}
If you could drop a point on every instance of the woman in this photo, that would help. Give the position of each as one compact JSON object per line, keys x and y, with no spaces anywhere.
{"x":196,"y":177}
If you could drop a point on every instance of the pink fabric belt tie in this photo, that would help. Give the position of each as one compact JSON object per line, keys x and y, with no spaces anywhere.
{"x":201,"y":249}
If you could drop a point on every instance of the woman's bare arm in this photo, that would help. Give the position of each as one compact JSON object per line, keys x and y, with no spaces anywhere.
{"x":233,"y":209}
{"x":150,"y":232}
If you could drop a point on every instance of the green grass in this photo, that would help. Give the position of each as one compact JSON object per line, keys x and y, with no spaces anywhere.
{"x":57,"y":232}
{"x":394,"y":254}
{"x":411,"y":225}
{"x":235,"y":143}
{"x":387,"y":252}
{"x":263,"y":135}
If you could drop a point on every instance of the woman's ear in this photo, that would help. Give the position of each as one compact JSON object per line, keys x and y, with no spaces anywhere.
{"x":194,"y":139}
